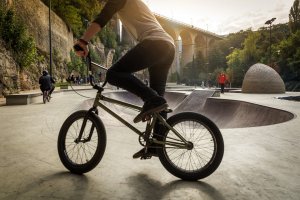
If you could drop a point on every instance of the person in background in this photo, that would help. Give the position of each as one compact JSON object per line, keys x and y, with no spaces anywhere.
{"x":46,"y":83}
{"x":222,"y":80}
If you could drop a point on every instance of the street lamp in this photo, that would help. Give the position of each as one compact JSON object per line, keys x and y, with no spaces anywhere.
{"x":269,"y":22}
{"x":50,"y":38}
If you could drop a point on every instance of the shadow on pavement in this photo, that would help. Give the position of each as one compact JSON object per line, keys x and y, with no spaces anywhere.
{"x":149,"y":188}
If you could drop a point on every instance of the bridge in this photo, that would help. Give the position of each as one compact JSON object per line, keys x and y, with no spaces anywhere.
{"x":190,"y":41}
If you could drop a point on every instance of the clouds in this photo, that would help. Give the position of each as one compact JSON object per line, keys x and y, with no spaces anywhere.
{"x":224,"y":16}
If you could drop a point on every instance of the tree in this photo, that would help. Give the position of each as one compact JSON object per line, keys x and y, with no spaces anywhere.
{"x":75,"y":12}
{"x":14,"y":33}
{"x":294,"y":17}
{"x":234,"y":62}
{"x":289,"y":56}
{"x":250,"y":53}
{"x":241,"y":59}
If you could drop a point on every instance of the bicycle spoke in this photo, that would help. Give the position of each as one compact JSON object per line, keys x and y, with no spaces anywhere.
{"x":82,"y":152}
{"x":203,"y":146}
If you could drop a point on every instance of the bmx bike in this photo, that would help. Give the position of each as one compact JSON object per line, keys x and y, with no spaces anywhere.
{"x":46,"y":96}
{"x":188,"y":145}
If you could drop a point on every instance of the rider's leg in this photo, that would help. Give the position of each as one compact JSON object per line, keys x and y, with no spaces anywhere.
{"x":52,"y":89}
{"x":146,"y":54}
{"x":41,"y":89}
{"x":158,"y":83}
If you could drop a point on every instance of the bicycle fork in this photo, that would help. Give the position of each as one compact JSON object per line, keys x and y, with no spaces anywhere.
{"x":79,"y":138}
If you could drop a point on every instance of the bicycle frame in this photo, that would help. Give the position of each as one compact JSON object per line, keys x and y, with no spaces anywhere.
{"x":150,"y":123}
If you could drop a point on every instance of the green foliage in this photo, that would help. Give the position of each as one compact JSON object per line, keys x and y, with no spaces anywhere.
{"x":75,"y":12}
{"x":219,"y":51}
{"x":294,"y":17}
{"x":288,"y":54}
{"x":14,"y":33}
{"x":191,"y":71}
{"x":108,"y":37}
{"x":94,"y":56}
{"x":76,"y":64}
{"x":250,"y":53}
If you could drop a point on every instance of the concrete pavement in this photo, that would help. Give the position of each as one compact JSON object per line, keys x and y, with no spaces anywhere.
{"x":261,"y":162}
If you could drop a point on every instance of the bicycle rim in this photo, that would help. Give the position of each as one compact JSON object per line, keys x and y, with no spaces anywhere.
{"x":83,"y":156}
{"x":80,"y":153}
{"x":203,"y":146}
{"x":206,"y":150}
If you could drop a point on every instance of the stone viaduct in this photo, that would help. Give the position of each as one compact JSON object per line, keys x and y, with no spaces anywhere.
{"x":190,"y":41}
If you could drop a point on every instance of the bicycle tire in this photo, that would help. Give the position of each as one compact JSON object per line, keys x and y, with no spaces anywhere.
{"x":48,"y":96}
{"x":44,"y":97}
{"x":196,"y":163}
{"x":86,"y":156}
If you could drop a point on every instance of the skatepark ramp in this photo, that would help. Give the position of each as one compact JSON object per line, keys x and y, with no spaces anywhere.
{"x":224,"y":112}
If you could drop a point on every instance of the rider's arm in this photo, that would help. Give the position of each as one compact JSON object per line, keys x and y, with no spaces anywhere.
{"x":110,"y":8}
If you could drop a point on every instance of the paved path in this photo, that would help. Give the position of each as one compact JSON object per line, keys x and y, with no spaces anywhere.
{"x":259,"y":162}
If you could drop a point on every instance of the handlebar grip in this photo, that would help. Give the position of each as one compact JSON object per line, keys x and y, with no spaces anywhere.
{"x":77,"y":47}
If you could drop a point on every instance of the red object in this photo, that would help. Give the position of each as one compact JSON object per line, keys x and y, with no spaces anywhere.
{"x":222,"y":78}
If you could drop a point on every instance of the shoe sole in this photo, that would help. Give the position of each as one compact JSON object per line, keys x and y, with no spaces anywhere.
{"x":140,"y":116}
{"x":140,"y":154}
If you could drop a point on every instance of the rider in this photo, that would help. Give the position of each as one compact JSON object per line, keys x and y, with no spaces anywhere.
{"x":155,"y":50}
{"x":46,"y":83}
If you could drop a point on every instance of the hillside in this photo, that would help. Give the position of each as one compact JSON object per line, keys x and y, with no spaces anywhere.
{"x":35,"y":16}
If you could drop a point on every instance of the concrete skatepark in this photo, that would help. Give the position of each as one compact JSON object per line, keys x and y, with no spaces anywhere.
{"x":261,"y":158}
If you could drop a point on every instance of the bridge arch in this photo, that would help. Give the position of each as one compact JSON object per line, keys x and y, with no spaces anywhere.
{"x":189,"y":41}
{"x":200,"y":45}
{"x":187,"y":48}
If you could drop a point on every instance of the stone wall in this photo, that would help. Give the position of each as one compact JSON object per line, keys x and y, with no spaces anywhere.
{"x":36,"y":16}
{"x":9,"y":81}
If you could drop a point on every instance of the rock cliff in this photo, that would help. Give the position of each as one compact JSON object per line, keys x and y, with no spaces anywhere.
{"x":9,"y":81}
{"x":36,"y":16}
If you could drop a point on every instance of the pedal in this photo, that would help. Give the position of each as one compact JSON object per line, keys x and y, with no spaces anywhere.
{"x":145,"y":157}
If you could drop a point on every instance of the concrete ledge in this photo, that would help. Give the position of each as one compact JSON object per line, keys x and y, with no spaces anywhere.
{"x":22,"y":99}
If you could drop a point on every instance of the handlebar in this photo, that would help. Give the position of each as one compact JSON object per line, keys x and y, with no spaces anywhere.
{"x":89,"y":63}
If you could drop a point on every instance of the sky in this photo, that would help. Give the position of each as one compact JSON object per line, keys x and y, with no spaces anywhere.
{"x":223,"y":16}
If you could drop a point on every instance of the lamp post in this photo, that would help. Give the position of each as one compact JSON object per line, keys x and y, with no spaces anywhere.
{"x":50,"y":38}
{"x":269,"y":22}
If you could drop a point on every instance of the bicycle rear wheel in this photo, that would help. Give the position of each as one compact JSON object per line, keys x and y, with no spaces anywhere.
{"x":204,"y":154}
{"x":48,"y":96}
{"x":45,"y":97}
{"x":84,"y":155}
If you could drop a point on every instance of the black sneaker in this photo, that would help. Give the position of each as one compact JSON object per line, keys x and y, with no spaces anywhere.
{"x":156,"y":104}
{"x":141,"y":153}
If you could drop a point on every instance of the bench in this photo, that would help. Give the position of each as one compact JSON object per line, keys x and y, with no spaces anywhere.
{"x":23,"y":99}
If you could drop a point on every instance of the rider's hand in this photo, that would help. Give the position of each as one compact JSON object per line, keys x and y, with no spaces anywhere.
{"x":84,"y":45}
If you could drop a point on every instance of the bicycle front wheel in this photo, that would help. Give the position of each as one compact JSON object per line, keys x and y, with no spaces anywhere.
{"x":81,"y":155}
{"x":204,"y":152}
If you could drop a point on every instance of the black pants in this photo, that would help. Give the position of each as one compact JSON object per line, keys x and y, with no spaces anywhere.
{"x":222,"y":87}
{"x":48,"y":89}
{"x":156,"y":55}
